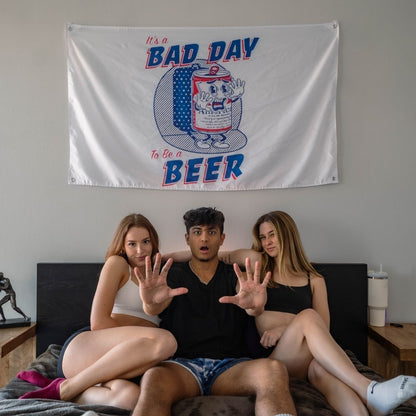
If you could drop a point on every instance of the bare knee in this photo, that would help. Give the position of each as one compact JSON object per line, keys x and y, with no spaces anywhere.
{"x":159,"y":385}
{"x":308,"y":316}
{"x":161,"y":343}
{"x":306,"y":319}
{"x":153,"y":375}
{"x":279,"y":371}
{"x":153,"y":380}
{"x":273,"y":375}
{"x":166,"y":344}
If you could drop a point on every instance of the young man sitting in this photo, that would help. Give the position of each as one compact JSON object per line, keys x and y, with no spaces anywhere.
{"x":205,"y":304}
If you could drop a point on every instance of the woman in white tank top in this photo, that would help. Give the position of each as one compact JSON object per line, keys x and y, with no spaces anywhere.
{"x":123,"y":342}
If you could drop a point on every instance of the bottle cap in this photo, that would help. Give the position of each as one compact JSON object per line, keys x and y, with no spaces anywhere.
{"x":380,"y":274}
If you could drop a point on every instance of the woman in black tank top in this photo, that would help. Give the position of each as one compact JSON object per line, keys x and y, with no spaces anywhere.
{"x":295,"y":325}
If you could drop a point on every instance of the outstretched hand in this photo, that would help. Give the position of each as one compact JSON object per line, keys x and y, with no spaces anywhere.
{"x":252,"y":294}
{"x":154,"y":289}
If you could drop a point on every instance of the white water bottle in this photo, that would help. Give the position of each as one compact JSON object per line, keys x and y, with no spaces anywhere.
{"x":377,"y":296}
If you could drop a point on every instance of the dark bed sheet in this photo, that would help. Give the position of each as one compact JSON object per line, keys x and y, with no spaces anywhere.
{"x":309,"y":402}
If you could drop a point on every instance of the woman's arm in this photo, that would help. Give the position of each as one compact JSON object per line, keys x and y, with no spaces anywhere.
{"x":320,"y":298}
{"x":229,"y":257}
{"x":239,"y":256}
{"x":112,"y":274}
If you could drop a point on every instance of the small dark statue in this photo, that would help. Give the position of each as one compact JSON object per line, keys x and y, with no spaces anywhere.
{"x":10,"y":296}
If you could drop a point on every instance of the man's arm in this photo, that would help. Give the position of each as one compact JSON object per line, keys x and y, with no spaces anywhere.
{"x":154,"y":290}
{"x":251,"y":294}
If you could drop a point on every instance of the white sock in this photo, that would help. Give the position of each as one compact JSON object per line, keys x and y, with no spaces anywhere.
{"x":385,"y":396}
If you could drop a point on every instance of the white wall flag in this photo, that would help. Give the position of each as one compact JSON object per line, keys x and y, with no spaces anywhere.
{"x":215,"y":109}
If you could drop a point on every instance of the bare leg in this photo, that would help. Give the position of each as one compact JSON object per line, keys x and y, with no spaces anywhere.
{"x":118,"y":393}
{"x":343,"y":399}
{"x":163,"y":385}
{"x":124,"y":352}
{"x":267,"y":379}
{"x":307,"y":336}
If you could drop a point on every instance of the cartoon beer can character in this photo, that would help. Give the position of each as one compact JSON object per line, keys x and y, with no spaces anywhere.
{"x":212,"y":96}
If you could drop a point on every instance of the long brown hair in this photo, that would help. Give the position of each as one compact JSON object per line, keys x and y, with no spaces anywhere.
{"x":292,"y":257}
{"x":133,"y":220}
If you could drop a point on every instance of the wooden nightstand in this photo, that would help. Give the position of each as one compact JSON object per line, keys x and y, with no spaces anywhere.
{"x":392,"y":350}
{"x":17,"y":350}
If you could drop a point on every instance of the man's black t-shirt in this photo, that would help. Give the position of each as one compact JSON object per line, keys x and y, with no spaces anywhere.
{"x":202,"y":326}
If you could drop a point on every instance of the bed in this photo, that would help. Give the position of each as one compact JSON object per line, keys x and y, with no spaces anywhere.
{"x":64,"y":295}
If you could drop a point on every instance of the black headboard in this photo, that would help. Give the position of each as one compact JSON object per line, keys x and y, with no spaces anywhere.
{"x":64,"y":296}
{"x":65,"y":292}
{"x":347,"y":297}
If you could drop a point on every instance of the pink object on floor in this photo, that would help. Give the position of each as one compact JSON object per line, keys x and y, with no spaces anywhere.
{"x":51,"y":391}
{"x":35,"y":378}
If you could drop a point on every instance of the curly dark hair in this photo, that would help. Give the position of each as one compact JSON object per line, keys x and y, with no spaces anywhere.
{"x":204,"y":216}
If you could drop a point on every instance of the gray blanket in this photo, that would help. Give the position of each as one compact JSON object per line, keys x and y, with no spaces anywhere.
{"x":309,"y":402}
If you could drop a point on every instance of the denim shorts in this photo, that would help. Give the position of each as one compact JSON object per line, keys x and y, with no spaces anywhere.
{"x":206,"y":370}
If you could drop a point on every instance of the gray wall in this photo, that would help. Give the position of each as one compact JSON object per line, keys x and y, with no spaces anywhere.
{"x":367,"y":217}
